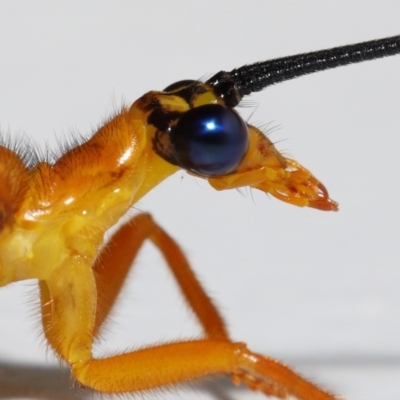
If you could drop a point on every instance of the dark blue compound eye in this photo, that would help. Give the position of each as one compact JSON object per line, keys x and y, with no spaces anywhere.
{"x":210,"y":140}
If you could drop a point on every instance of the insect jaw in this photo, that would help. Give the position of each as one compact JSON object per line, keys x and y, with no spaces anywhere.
{"x":264,"y":168}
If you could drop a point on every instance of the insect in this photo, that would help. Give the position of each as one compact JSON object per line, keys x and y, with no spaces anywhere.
{"x":53,"y":217}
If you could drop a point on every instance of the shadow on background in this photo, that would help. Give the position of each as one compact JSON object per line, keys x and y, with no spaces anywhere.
{"x":38,"y":382}
{"x":55,"y":383}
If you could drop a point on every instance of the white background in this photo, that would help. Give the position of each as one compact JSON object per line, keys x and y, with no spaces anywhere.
{"x":318,"y":290}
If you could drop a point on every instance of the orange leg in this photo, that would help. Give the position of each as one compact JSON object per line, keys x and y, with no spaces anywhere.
{"x":69,"y":311}
{"x":182,"y":361}
{"x":116,"y":258}
{"x":112,"y":267}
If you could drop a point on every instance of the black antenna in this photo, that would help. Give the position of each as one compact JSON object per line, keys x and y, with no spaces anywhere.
{"x":232,"y":86}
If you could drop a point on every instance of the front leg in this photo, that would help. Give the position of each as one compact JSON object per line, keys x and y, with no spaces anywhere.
{"x":69,"y":301}
{"x":116,"y":258}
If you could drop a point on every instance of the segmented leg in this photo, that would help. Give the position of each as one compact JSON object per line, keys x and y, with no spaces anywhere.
{"x":116,"y":258}
{"x":69,"y":310}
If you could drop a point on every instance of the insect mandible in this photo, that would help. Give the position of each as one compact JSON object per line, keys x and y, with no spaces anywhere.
{"x":53,"y":217}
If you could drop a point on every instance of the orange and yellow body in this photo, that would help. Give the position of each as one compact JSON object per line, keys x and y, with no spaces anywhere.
{"x":53,"y":218}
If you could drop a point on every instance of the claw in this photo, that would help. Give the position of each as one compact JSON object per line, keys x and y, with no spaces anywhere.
{"x":275,"y":379}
